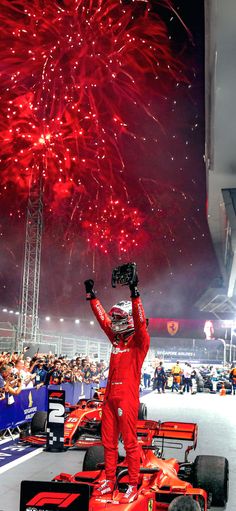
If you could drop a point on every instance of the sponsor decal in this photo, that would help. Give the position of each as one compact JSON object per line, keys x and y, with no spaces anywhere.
{"x":172,"y":327}
{"x":29,"y":412}
{"x":62,"y":500}
{"x":56,"y":394}
{"x":100,"y":311}
{"x":150,"y":505}
{"x":49,"y":496}
{"x":107,"y":501}
{"x":116,"y":351}
{"x":140,"y":312}
{"x":30,"y":400}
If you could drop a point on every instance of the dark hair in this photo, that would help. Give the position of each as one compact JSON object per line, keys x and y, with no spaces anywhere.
{"x":4,"y":368}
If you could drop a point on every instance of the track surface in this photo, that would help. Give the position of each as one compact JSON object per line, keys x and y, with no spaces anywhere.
{"x":215,"y":415}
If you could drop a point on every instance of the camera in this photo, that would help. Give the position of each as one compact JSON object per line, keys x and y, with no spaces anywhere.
{"x":124,"y":275}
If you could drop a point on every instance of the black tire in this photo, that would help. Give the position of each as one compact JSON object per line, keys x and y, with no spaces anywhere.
{"x":39,"y":423}
{"x":142,"y":412}
{"x":93,"y":456}
{"x":211,"y":473}
{"x":184,"y":503}
{"x":200,"y":387}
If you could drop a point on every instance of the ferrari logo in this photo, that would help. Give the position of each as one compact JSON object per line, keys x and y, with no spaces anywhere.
{"x":150,"y":505}
{"x":172,"y":327}
{"x":30,"y":400}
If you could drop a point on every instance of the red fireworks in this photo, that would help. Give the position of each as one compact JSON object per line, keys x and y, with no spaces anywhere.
{"x":73,"y":80}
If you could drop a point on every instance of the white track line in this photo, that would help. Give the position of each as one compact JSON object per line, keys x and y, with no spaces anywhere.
{"x":8,"y":439}
{"x":14,"y":463}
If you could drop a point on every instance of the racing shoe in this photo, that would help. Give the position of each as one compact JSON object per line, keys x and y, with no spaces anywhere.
{"x":106,"y":487}
{"x":130,"y":495}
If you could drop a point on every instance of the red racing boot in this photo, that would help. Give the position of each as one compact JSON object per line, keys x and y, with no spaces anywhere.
{"x":130,"y":495}
{"x":106,"y":488}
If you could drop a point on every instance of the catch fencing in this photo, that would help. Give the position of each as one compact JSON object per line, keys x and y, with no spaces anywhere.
{"x":69,"y":345}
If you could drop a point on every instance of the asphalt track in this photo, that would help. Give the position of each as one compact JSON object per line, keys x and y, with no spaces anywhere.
{"x":215,"y":415}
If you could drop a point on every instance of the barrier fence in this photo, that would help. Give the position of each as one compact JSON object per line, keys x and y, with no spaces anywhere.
{"x":14,"y":412}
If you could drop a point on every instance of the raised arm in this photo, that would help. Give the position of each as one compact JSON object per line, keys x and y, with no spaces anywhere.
{"x":97,"y":308}
{"x":140,"y":322}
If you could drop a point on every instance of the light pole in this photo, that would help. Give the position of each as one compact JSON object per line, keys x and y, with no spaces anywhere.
{"x":232,"y":334}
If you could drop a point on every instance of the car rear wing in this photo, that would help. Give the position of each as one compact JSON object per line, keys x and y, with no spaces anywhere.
{"x":178,"y":431}
{"x":170,"y":434}
{"x":51,"y":496}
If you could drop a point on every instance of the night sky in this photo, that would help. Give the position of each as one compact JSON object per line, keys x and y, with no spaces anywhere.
{"x":110,"y":103}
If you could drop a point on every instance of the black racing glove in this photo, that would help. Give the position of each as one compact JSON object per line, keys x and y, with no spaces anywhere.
{"x":133,"y":287}
{"x":90,"y":293}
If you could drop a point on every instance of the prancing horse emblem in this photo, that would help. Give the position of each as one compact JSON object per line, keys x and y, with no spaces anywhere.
{"x":172,"y":327}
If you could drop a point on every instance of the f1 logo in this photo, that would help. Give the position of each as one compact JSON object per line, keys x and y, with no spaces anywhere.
{"x":56,"y":394}
{"x":62,"y":500}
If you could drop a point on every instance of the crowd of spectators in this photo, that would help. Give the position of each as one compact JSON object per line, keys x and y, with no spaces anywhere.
{"x":19,"y":371}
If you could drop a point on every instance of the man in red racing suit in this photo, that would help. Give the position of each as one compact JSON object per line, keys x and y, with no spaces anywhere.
{"x":121,"y":403}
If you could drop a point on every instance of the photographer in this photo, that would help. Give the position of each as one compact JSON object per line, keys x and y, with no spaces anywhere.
{"x":23,"y":374}
{"x":126,"y":328}
{"x":91,"y":374}
{"x":10,"y":383}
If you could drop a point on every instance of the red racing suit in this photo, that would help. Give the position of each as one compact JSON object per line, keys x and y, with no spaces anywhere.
{"x":121,"y":402}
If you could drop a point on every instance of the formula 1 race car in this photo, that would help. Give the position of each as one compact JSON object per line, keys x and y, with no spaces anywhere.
{"x":82,"y":427}
{"x":164,"y":484}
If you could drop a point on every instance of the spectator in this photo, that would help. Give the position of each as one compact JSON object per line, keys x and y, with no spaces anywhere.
{"x":177,"y":372}
{"x":187,"y":378}
{"x":78,"y":375}
{"x":21,"y":373}
{"x":232,"y":378}
{"x":91,"y":374}
{"x":39,"y":374}
{"x":68,"y":376}
{"x":147,"y":374}
{"x":78,"y":362}
{"x":160,"y":378}
{"x":54,"y":376}
{"x":9,"y":382}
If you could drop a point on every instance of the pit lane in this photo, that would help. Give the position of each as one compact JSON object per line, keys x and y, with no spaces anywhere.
{"x":216,"y":418}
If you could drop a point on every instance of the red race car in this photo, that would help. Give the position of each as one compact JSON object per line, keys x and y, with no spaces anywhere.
{"x":164,"y":484}
{"x":82,"y":426}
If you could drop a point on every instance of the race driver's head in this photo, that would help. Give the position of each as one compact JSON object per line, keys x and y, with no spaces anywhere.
{"x":121,"y":318}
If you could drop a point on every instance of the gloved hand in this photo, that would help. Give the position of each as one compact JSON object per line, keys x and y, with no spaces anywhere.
{"x":133,"y":287}
{"x":90,"y":293}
